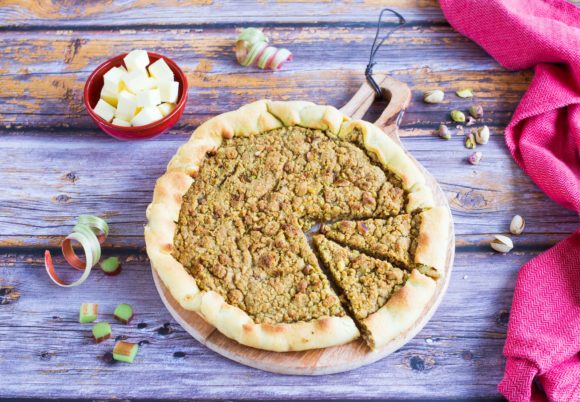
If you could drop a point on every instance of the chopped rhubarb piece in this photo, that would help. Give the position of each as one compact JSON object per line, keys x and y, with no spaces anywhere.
{"x":88,"y":312}
{"x":101,"y":331}
{"x":123,"y":313}
{"x":111,"y":266}
{"x":125,"y":351}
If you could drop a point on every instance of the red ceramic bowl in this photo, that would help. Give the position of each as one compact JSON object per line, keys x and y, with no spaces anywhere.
{"x":92,"y":94}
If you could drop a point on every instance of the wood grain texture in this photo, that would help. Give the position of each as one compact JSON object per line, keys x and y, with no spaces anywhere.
{"x":56,"y":165}
{"x":43,"y":73}
{"x":458,"y":353}
{"x":138,"y":13}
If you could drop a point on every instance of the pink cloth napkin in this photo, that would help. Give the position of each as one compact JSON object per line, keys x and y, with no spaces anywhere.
{"x":543,"y":339}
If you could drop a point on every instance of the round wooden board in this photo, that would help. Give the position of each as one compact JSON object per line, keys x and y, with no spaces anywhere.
{"x":340,"y":358}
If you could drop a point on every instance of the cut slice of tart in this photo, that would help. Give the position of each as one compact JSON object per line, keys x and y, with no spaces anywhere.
{"x":384,"y":300}
{"x":412,"y":241}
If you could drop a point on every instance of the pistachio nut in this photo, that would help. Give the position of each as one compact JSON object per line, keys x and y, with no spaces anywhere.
{"x":517,"y":225}
{"x":464,"y":93}
{"x":476,"y":111}
{"x":443,"y":132}
{"x":457,"y":116}
{"x":470,"y":141}
{"x":475,"y":158}
{"x":434,"y":96}
{"x":502,"y":244}
{"x":482,"y":135}
{"x":470,"y":121}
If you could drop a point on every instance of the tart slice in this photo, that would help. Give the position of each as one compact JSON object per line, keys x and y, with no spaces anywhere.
{"x":412,"y":241}
{"x":384,"y":300}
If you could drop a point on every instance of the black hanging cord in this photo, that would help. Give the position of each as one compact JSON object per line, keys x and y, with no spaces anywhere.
{"x":375,"y":49}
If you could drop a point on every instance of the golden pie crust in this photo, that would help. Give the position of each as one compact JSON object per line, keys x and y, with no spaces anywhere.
{"x":388,"y":321}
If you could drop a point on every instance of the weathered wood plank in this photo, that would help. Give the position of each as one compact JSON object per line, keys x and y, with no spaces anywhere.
{"x":55,"y":102}
{"x":320,"y":47}
{"x":457,"y":355}
{"x":43,"y":78}
{"x":29,"y":14}
{"x":136,"y":13}
{"x":48,"y":181}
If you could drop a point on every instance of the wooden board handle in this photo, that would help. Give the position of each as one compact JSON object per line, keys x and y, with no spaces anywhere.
{"x":396,"y":92}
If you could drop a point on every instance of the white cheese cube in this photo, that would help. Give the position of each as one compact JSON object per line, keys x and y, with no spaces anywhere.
{"x":136,"y":60}
{"x":106,"y":111}
{"x":150,"y":97}
{"x":127,"y":106}
{"x":109,"y":96}
{"x":166,"y":108}
{"x":151,"y":83}
{"x":121,"y":122}
{"x":114,"y":78}
{"x":137,"y":81}
{"x":161,"y":70}
{"x":168,"y":90}
{"x":148,"y":115}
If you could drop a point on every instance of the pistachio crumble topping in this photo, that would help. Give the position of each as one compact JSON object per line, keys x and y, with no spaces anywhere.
{"x":242,"y":223}
{"x":367,"y":282}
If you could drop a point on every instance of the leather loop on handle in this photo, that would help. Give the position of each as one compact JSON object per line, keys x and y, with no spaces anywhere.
{"x":396,"y":92}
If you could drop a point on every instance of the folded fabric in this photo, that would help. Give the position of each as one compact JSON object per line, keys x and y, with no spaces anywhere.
{"x":543,"y":340}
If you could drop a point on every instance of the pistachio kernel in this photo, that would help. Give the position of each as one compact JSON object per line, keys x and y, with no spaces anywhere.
{"x":517,"y":225}
{"x":475,"y":158}
{"x":464,"y":93}
{"x":435,"y":96}
{"x":443,"y":132}
{"x":457,"y":116}
{"x":470,"y":141}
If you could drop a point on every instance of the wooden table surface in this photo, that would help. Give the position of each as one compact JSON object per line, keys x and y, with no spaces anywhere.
{"x":56,"y":165}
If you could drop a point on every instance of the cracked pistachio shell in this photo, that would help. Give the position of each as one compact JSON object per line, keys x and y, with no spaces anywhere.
{"x":435,"y":96}
{"x":502,"y":244}
{"x":482,"y":135}
{"x":517,"y":225}
{"x":457,"y":116}
{"x":464,"y":93}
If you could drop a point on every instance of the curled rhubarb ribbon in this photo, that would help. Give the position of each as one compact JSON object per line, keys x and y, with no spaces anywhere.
{"x":252,"y":48}
{"x":90,"y":232}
